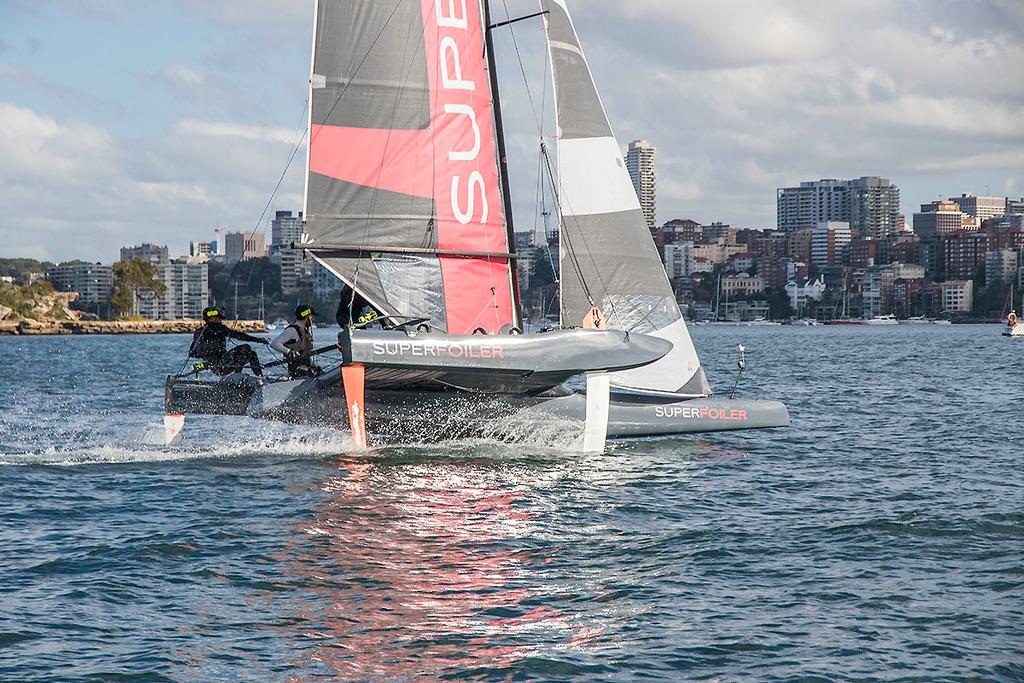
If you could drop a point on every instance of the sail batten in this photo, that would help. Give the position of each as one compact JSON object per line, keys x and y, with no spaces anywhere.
{"x":607,"y":253}
{"x":403,"y":156}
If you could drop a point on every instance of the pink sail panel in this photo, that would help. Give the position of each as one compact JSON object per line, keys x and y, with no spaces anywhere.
{"x":452,"y":162}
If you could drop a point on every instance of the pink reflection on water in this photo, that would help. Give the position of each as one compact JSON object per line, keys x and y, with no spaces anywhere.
{"x":408,"y":570}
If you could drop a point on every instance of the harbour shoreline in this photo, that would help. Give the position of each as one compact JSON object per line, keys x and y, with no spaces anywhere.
{"x":30,"y":327}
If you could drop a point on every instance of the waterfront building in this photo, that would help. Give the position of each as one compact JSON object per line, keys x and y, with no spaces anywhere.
{"x":829,"y":240}
{"x":803,"y":291}
{"x":741,"y":285}
{"x":239,"y":246}
{"x":151,"y":253}
{"x":1014,"y":207}
{"x":640,"y":164}
{"x":94,"y":282}
{"x":1001,"y":265}
{"x":963,"y":253}
{"x":980,"y":208}
{"x":957,"y":296}
{"x":871,"y":205}
{"x":738,"y":311}
{"x":186,"y":295}
{"x":679,"y":259}
{"x":877,"y":285}
{"x":916,"y":297}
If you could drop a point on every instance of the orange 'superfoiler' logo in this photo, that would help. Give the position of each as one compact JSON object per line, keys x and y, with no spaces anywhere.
{"x":700,"y":413}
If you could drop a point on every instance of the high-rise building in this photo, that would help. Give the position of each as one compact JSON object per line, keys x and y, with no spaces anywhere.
{"x":238,"y":246}
{"x":150,"y":253}
{"x":186,"y":294}
{"x":93,"y":282}
{"x":829,"y":240}
{"x":1014,"y":207}
{"x":981,"y":208}
{"x":963,"y":253}
{"x":939,"y":218}
{"x":640,"y":164}
{"x":285,"y":230}
{"x":871,"y":205}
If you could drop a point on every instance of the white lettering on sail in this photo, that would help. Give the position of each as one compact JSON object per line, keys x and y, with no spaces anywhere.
{"x":465,"y":110}
{"x":448,"y":46}
{"x":451,"y":19}
{"x":475,"y":180}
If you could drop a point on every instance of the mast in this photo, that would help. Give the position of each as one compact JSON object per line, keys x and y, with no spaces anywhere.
{"x":506,"y":193}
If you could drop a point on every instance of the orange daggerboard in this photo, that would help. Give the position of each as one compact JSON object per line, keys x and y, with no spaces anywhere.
{"x":353,"y":378}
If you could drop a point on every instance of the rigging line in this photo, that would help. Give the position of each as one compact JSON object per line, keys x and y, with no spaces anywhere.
{"x":529,"y":95}
{"x":270,"y":200}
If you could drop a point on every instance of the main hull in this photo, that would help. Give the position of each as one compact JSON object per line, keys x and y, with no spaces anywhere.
{"x":429,"y":415}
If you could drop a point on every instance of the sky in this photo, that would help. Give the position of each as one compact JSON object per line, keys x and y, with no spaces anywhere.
{"x":126,"y":121}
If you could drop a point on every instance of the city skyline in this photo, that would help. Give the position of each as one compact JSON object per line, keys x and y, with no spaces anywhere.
{"x":171,"y":120}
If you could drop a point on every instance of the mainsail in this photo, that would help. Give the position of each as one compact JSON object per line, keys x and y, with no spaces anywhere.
{"x":403,"y":192}
{"x":608,"y":257}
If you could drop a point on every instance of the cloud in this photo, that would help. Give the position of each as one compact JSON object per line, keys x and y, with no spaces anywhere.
{"x":233,"y":130}
{"x":63,"y":180}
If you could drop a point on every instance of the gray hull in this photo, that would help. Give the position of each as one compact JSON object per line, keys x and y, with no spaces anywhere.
{"x":423,"y":387}
{"x":436,"y":415}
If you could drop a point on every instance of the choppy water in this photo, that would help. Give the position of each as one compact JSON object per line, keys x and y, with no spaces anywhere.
{"x":881,"y":537}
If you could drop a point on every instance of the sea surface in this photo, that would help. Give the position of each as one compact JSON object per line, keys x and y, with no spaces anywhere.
{"x":880,"y":538}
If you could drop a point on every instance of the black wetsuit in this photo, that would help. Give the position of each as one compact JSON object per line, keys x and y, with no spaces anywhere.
{"x":210,"y":344}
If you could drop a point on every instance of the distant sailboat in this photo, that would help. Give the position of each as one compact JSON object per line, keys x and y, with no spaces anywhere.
{"x":407,"y":203}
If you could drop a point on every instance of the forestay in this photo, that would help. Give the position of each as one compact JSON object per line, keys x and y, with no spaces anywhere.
{"x":403,"y":194}
{"x":608,"y":257}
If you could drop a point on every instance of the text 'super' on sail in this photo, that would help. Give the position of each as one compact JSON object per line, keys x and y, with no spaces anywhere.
{"x":403,"y":192}
{"x":608,"y":257}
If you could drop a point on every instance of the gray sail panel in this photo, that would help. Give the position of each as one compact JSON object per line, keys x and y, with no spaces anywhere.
{"x":367,"y":215}
{"x":373,"y":52}
{"x":576,"y":95}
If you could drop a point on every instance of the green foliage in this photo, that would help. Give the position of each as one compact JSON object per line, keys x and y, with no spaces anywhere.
{"x":20,"y":268}
{"x":130,"y":277}
{"x":778,"y":303}
{"x":22,"y":300}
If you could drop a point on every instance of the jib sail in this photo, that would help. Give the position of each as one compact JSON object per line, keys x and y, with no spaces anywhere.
{"x":608,"y":257}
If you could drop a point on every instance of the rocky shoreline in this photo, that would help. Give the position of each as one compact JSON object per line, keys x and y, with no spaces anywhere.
{"x":57,"y":327}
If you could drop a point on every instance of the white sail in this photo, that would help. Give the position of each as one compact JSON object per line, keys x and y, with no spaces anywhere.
{"x":608,"y":257}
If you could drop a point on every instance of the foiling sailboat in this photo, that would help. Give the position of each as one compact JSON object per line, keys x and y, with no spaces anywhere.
{"x":407,"y":202}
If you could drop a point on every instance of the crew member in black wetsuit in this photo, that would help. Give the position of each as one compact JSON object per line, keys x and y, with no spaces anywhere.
{"x":353,"y":309}
{"x":210,"y":344}
{"x":296,"y":343}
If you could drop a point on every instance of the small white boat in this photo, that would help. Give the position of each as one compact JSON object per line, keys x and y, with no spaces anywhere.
{"x":805,"y":322}
{"x":915,"y":320}
{"x":881,"y":320}
{"x":1015,"y":331}
{"x":760,"y":322}
{"x":942,"y":322}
